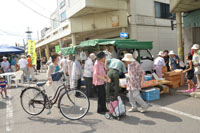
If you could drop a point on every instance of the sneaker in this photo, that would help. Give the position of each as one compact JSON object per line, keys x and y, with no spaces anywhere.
{"x":188,"y":91}
{"x":6,"y":97}
{"x":143,"y":110}
{"x":132,"y":109}
{"x":193,"y":89}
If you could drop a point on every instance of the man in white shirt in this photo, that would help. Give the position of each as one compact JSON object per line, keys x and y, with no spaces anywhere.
{"x":88,"y":73}
{"x":23,"y":66}
{"x":5,"y":65}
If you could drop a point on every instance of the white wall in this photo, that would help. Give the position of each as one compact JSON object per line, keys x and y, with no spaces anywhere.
{"x":145,"y":27}
{"x":101,"y":21}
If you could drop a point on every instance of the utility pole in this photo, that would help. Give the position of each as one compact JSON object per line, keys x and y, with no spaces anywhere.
{"x":29,"y":37}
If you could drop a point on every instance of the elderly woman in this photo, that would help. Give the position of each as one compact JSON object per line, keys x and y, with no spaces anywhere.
{"x":52,"y":68}
{"x":5,"y":65}
{"x":174,"y":61}
{"x":159,"y":63}
{"x":99,"y":79}
{"x":135,"y":82}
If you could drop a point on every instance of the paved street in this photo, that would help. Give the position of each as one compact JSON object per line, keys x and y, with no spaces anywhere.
{"x":174,"y":113}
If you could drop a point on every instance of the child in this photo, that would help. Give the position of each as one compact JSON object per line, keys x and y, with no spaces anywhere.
{"x":3,"y":85}
{"x":189,"y":74}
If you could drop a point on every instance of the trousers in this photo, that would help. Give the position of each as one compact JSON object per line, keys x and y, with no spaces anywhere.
{"x":114,"y":76}
{"x":134,"y":97}
{"x":101,"y":107}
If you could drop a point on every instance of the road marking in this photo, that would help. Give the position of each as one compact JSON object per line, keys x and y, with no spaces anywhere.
{"x":9,"y":116}
{"x":177,"y":112}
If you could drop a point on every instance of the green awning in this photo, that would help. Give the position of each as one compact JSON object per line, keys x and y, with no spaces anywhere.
{"x":68,"y":50}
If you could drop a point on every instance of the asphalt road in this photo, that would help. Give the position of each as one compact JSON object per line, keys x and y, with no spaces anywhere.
{"x":174,"y":113}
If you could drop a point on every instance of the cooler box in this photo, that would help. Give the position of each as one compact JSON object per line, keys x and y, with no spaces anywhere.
{"x":147,"y":77}
{"x":151,"y":94}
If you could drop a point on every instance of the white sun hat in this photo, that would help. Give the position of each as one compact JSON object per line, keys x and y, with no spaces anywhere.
{"x":128,"y":57}
{"x":4,"y":57}
{"x":195,"y":47}
{"x":92,"y":56}
{"x":161,"y":53}
{"x":171,"y":52}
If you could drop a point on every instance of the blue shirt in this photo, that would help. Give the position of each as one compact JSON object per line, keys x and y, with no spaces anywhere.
{"x":116,"y":64}
{"x":13,"y":62}
{"x":3,"y":84}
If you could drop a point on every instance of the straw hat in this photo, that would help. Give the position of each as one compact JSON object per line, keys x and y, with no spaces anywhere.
{"x":171,"y":52}
{"x":4,"y":57}
{"x":195,"y":47}
{"x":128,"y":57}
{"x":92,"y":56}
{"x":160,"y":53}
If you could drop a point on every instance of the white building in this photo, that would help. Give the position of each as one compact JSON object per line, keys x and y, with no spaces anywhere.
{"x":78,"y":20}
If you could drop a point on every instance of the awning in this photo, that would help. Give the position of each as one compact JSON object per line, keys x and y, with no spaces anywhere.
{"x":7,"y":49}
{"x":119,"y":43}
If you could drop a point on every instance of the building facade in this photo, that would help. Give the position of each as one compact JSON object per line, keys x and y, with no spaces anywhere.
{"x":188,"y":23}
{"x":78,"y":20}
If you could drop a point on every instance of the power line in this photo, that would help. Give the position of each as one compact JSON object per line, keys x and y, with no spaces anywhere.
{"x":37,"y":11}
{"x":33,"y":1}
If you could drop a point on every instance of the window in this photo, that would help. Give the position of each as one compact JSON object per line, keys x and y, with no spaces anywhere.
{"x":63,"y":16}
{"x":162,"y":10}
{"x":54,"y":23}
{"x":62,"y":4}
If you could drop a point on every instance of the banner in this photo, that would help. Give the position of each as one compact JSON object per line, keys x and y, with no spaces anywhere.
{"x":32,"y":51}
{"x":57,"y":49}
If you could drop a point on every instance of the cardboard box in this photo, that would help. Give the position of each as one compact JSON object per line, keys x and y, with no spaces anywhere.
{"x":175,"y":84}
{"x":182,"y":83}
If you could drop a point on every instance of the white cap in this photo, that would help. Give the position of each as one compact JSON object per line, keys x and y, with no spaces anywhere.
{"x":171,"y":52}
{"x":23,"y":56}
{"x":195,"y":47}
{"x":160,"y":53}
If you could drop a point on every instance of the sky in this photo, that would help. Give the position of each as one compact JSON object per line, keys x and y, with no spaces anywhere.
{"x":16,"y":18}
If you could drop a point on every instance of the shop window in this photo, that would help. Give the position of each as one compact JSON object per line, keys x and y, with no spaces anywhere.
{"x":162,"y":10}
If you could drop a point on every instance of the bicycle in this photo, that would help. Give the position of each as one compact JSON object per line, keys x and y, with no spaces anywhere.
{"x":34,"y":100}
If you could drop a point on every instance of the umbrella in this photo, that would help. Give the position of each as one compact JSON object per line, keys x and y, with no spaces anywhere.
{"x":7,"y":49}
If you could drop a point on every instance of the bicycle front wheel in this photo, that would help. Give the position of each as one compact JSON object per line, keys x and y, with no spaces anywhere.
{"x":32,"y":101}
{"x":74,"y":104}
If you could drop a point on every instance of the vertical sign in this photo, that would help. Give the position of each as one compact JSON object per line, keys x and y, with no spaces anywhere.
{"x":32,"y":51}
{"x":57,"y":48}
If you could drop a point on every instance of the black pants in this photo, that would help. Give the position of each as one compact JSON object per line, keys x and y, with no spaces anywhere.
{"x":88,"y":84}
{"x":78,"y":87}
{"x":101,"y":98}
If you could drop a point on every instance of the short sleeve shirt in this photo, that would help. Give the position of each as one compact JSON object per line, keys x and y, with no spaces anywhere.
{"x":29,"y":62}
{"x":99,"y":70}
{"x":3,"y":84}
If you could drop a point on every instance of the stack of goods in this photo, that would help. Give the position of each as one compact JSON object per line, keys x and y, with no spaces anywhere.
{"x":176,"y":77}
{"x":151,"y":94}
{"x":150,"y":83}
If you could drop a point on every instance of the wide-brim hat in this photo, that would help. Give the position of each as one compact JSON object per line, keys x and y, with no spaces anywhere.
{"x":161,"y":53}
{"x":100,"y":55}
{"x":4,"y":57}
{"x":171,"y":53}
{"x":128,"y":57}
{"x":195,"y":47}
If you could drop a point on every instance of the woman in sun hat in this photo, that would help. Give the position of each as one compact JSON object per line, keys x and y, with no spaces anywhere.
{"x":159,"y":63}
{"x":135,"y":83}
{"x":174,"y":61}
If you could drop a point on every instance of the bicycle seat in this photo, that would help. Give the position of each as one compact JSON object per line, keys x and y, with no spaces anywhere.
{"x":40,"y":84}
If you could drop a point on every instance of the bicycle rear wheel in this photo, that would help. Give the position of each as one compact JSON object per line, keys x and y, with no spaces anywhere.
{"x":32,"y":101}
{"x":73,"y":106}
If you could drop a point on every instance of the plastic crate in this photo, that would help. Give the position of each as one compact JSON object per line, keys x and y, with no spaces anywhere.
{"x":151,"y":94}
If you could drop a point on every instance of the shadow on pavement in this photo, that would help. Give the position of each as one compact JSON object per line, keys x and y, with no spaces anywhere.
{"x":2,"y":105}
{"x":163,"y":116}
{"x":132,"y":120}
{"x":86,"y":122}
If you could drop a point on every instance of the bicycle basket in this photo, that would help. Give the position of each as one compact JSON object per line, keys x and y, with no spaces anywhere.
{"x":56,"y":76}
